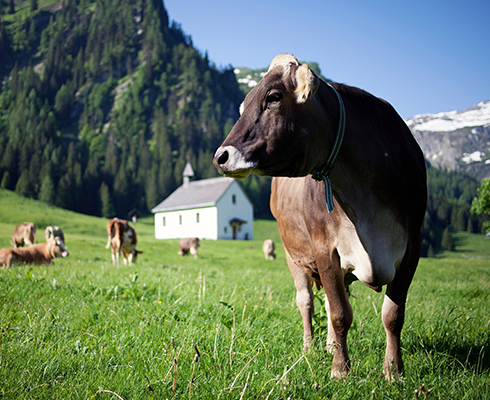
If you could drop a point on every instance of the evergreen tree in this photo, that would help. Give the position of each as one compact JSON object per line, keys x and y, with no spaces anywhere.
{"x":447,"y":240}
{"x":47,"y":192}
{"x":107,"y":210}
{"x":22,"y":188}
{"x":431,"y":252}
{"x":5,"y":184}
{"x":33,"y":5}
{"x":481,"y":203}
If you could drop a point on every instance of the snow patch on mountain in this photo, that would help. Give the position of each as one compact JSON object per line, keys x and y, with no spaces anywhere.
{"x":478,"y":115}
{"x":456,"y":140}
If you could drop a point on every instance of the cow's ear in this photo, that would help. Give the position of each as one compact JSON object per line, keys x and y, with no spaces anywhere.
{"x":306,"y":83}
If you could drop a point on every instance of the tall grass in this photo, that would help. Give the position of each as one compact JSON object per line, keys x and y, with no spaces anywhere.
{"x":224,"y":326}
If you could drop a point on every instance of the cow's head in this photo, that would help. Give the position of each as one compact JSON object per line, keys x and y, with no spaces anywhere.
{"x":281,"y":127}
{"x":57,"y":248}
{"x":31,"y":235}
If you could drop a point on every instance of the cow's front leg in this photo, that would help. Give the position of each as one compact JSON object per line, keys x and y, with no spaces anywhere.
{"x":339,"y":312}
{"x":304,"y":300}
{"x":331,"y":338}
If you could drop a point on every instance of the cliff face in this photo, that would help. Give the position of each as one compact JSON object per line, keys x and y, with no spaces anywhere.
{"x":456,"y":140}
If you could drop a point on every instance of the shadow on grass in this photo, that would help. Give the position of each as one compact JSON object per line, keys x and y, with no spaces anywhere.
{"x":459,"y":240}
{"x":473,"y":357}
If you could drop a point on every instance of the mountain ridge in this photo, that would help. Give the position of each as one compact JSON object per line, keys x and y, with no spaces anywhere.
{"x":456,"y":140}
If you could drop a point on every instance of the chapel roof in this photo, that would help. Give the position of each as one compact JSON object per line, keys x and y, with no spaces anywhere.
{"x":196,"y":194}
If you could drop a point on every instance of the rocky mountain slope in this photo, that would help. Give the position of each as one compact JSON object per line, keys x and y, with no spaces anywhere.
{"x":456,"y":140}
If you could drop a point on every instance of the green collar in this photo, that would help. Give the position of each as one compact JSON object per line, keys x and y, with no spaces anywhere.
{"x":323,"y":173}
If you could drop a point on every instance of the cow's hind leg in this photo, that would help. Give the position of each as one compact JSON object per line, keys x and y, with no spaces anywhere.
{"x":304,"y":300}
{"x":194,"y":251}
{"x":113,"y":257}
{"x":393,"y":313}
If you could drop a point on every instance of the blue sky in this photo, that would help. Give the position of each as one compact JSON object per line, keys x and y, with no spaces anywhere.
{"x":422,"y":56}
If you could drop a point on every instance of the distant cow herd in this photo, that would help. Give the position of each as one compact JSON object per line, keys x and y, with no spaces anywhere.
{"x":33,"y":253}
{"x":121,"y":239}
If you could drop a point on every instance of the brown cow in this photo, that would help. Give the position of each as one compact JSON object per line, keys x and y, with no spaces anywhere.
{"x":292,"y":125}
{"x":39,"y":253}
{"x":24,"y":233}
{"x":122,"y":239}
{"x":110,"y":230}
{"x":53,"y":231}
{"x":268,"y":248}
{"x":188,"y":245}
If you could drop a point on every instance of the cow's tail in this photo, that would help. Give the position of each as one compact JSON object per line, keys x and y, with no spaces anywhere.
{"x":108,"y":242}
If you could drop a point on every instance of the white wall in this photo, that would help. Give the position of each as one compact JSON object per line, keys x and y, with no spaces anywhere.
{"x":184,"y":223}
{"x":241,"y":208}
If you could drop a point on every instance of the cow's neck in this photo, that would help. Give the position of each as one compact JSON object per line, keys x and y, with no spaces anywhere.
{"x":322,"y":174}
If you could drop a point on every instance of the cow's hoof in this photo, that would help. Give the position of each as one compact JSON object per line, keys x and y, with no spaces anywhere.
{"x":392,"y":372}
{"x":307,"y":344}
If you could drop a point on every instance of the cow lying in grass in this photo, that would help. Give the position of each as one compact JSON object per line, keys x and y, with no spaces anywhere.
{"x":39,"y":253}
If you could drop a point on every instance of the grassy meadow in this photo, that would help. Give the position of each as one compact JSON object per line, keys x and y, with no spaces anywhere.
{"x":224,"y":326}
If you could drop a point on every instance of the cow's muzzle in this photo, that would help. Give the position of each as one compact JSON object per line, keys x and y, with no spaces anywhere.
{"x":229,"y":161}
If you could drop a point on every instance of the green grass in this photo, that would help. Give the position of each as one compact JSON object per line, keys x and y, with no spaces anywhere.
{"x":223,"y":326}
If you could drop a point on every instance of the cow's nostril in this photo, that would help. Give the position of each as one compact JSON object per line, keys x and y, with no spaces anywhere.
{"x":223,"y":158}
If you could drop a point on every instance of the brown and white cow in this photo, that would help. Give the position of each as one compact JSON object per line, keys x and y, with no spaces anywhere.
{"x":39,"y":253}
{"x":122,"y":240}
{"x":24,"y":234}
{"x":268,"y":248}
{"x":287,"y":129}
{"x":188,"y":245}
{"x":54,"y":231}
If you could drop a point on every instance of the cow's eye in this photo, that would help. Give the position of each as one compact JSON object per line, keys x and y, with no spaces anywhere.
{"x":274,"y":97}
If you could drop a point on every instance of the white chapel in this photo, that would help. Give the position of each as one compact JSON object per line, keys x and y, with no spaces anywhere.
{"x":215,"y":208}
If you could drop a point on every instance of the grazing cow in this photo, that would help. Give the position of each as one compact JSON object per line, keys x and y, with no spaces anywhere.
{"x":361,"y":154}
{"x":39,"y":253}
{"x":122,"y":239}
{"x":268,"y":248}
{"x":24,"y":233}
{"x":53,"y":231}
{"x":110,"y":230}
{"x":188,"y":245}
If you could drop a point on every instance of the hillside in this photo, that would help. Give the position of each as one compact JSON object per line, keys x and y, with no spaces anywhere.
{"x":102,"y":103}
{"x":456,"y":140}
